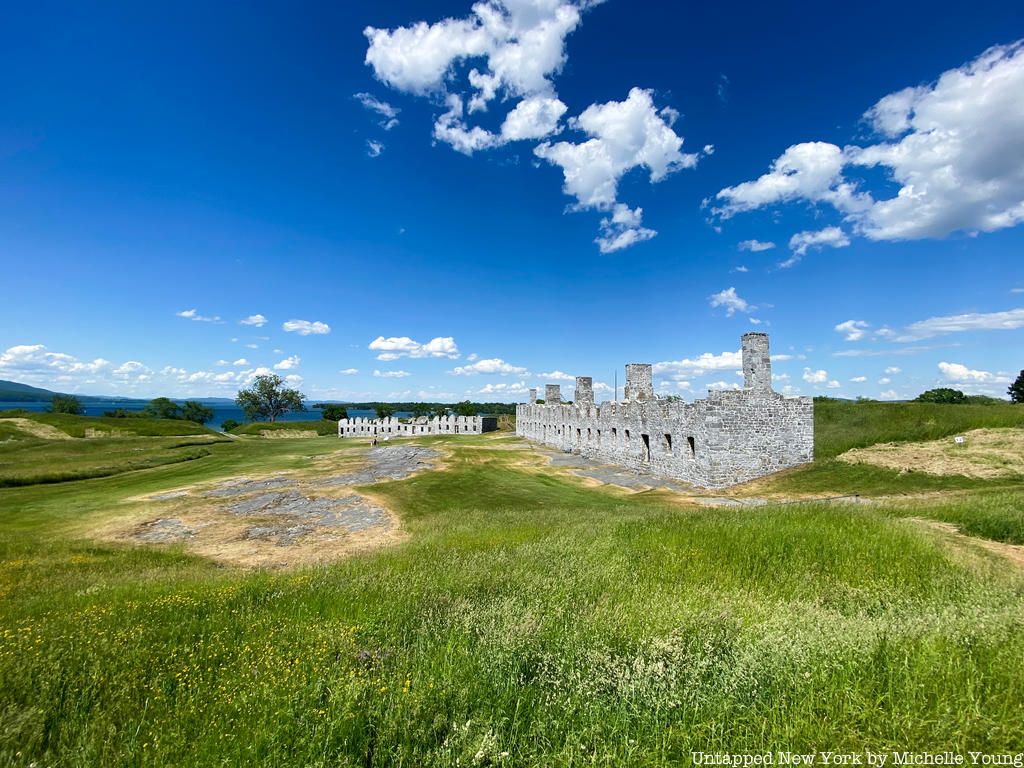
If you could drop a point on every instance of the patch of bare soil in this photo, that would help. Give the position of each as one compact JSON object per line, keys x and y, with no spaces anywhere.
{"x":1012,"y":552}
{"x":92,"y":433}
{"x":276,"y":521}
{"x":985,"y":453}
{"x":287,"y":434}
{"x":37,"y":429}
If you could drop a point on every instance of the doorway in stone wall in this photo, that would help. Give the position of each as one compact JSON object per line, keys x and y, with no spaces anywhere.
{"x":647,"y":447}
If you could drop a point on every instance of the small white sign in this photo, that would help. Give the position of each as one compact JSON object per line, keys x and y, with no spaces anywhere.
{"x":959,"y":439}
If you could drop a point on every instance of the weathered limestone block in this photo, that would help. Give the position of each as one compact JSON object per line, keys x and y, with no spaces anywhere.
{"x":639,"y":382}
{"x":584,"y":391}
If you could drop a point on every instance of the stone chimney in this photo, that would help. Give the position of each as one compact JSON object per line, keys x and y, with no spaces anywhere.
{"x":639,"y":382}
{"x":533,"y":396}
{"x":757,"y":363}
{"x":552,"y":394}
{"x":584,"y":391}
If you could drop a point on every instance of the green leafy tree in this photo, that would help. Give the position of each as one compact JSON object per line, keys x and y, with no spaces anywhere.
{"x":465,"y":408}
{"x":268,"y":398}
{"x":942,"y":395}
{"x":162,"y":408}
{"x":229,"y":424}
{"x":195,"y":411}
{"x":334,"y":412}
{"x":440,"y":411}
{"x":383,"y":410}
{"x":1016,"y":390}
{"x":66,"y":404}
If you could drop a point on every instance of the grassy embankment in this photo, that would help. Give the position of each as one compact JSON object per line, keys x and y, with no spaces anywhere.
{"x":842,"y":425}
{"x":320,"y":426}
{"x":528,"y":619}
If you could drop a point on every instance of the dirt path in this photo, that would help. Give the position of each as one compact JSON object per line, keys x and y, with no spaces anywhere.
{"x":37,"y":429}
{"x":1012,"y":552}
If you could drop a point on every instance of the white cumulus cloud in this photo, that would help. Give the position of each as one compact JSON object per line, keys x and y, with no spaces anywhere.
{"x":306,"y":327}
{"x":492,"y":365}
{"x":394,"y":347}
{"x":256,"y":320}
{"x":687,"y":368}
{"x":831,"y":237}
{"x":623,"y":135}
{"x":954,"y":148}
{"x":815,"y":377}
{"x":288,"y":363}
{"x":556,"y":376}
{"x":961,"y":373}
{"x":732,"y":302}
{"x":852,"y":330}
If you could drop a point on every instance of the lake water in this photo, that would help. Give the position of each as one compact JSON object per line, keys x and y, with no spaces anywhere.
{"x":221,"y":411}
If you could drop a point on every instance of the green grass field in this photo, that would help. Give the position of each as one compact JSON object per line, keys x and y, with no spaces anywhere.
{"x":526,"y":619}
{"x":320,"y":426}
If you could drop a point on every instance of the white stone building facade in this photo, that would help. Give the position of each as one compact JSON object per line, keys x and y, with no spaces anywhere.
{"x":438,"y":425}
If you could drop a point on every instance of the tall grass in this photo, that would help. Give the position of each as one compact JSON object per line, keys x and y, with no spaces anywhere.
{"x":527,"y":620}
{"x":841,"y":425}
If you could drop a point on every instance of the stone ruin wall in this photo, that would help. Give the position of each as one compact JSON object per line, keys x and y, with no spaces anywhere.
{"x":438,"y":425}
{"x":729,"y":438}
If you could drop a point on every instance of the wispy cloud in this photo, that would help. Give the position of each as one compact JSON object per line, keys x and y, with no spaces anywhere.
{"x":306,"y":327}
{"x":388,"y":113}
{"x":192,"y":314}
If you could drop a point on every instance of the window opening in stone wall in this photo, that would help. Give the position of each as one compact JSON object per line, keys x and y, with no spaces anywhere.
{"x":615,"y":434}
{"x":599,"y":438}
{"x":668,"y":443}
{"x":647,"y":447}
{"x":693,"y":450}
{"x":627,"y":437}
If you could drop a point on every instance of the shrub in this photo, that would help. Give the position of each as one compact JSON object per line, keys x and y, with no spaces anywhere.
{"x":66,"y":404}
{"x":942,"y":395}
{"x":230,"y":424}
{"x":334,"y":412}
{"x":195,"y":411}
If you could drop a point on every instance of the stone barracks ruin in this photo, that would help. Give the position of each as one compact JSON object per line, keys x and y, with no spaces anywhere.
{"x":729,"y":438}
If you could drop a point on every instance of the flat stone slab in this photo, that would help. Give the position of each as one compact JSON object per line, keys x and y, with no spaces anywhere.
{"x":243,"y":486}
{"x":607,"y":473}
{"x":164,"y":530}
{"x":388,"y":463}
{"x":352,"y":513}
{"x":282,"y":535}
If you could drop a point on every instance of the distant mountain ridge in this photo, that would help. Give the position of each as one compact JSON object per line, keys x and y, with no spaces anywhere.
{"x":12,"y":391}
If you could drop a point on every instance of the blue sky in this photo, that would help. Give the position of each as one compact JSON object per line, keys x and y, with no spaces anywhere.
{"x":440,"y":201}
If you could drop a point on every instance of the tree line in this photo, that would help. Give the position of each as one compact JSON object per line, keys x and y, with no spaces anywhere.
{"x":158,"y":408}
